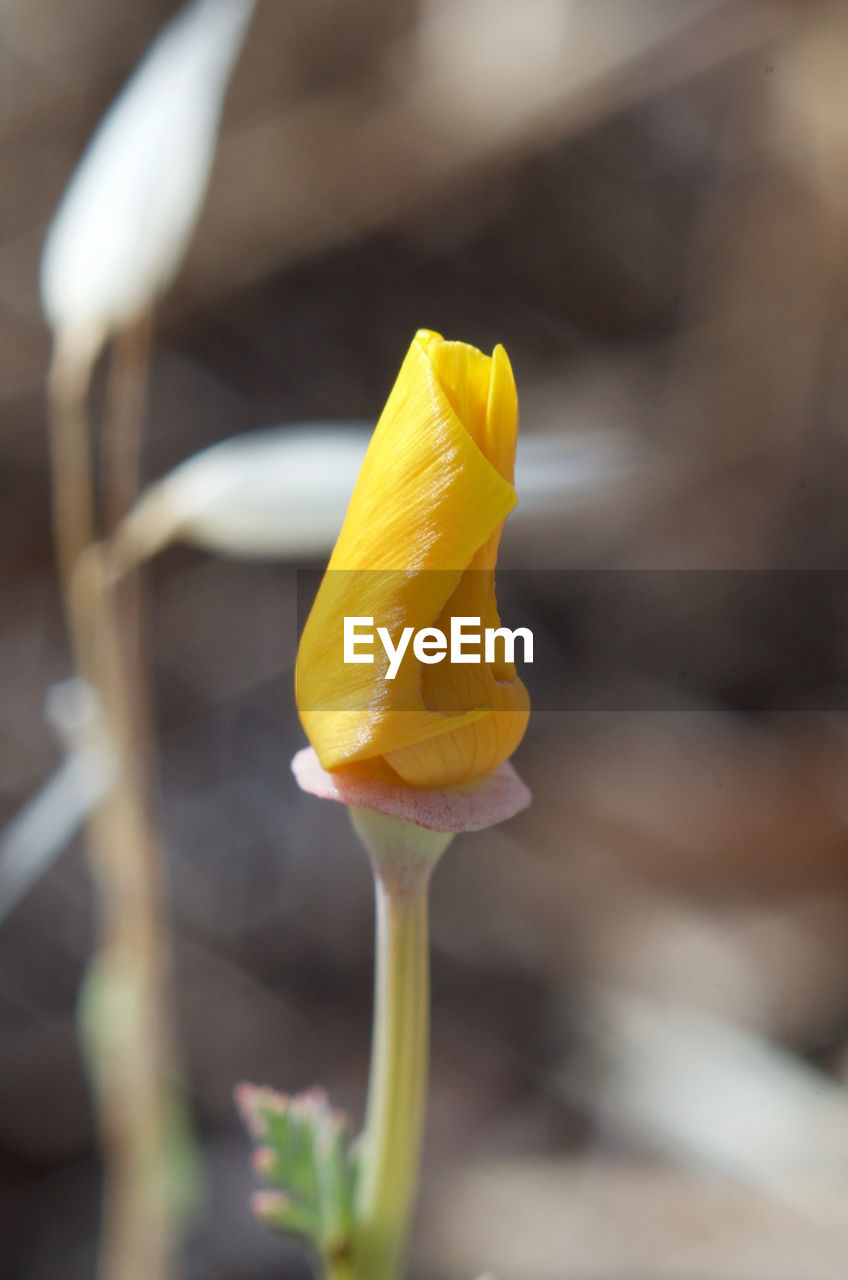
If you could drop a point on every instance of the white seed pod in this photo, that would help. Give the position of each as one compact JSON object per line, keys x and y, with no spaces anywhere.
{"x":125,"y":221}
{"x":710,"y":1093}
{"x":277,"y":493}
{"x":282,"y":492}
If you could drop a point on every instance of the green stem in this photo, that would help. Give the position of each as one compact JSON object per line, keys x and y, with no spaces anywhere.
{"x":403,"y":857}
{"x":338,"y":1269}
{"x":397,"y":1090}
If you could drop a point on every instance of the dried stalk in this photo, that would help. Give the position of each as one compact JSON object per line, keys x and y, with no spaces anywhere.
{"x":126,"y":1022}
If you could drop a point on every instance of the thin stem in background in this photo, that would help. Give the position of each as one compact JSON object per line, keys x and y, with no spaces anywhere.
{"x":125,"y":1019}
{"x":70,"y":457}
{"x":125,"y":1015}
{"x":121,"y":437}
{"x":120,"y":482}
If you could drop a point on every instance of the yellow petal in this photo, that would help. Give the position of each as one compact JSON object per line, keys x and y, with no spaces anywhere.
{"x":427,"y":495}
{"x":418,"y":546}
{"x":461,"y":754}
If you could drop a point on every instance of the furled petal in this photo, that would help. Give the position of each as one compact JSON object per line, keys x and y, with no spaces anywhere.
{"x":418,"y":545}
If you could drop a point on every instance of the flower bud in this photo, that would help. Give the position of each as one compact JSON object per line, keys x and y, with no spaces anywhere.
{"x":418,"y":548}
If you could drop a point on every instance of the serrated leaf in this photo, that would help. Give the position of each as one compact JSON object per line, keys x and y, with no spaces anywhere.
{"x":280,"y":1211}
{"x":336,"y":1175}
{"x":304,"y":1150}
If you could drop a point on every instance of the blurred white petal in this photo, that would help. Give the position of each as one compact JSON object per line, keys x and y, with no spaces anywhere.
{"x":274,"y":493}
{"x":51,"y":818}
{"x":283,"y":492}
{"x":709,"y":1093}
{"x":554,"y":471}
{"x":127,"y":216}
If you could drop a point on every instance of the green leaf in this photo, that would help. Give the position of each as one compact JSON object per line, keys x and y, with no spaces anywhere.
{"x":303,"y":1148}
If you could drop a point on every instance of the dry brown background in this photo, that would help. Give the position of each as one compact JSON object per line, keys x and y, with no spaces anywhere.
{"x":645,"y":201}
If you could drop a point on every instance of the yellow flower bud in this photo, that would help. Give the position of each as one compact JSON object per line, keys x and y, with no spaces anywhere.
{"x":418,"y":547}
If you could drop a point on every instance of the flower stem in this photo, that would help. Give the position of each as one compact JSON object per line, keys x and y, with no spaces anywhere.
{"x":121,"y":438}
{"x":339,"y":1269}
{"x":125,"y":1017}
{"x":402,"y":857}
{"x":120,"y":473}
{"x":70,"y":458}
{"x":124,"y":1011}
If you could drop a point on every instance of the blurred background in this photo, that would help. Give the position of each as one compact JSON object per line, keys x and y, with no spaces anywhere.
{"x":640,"y":1041}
